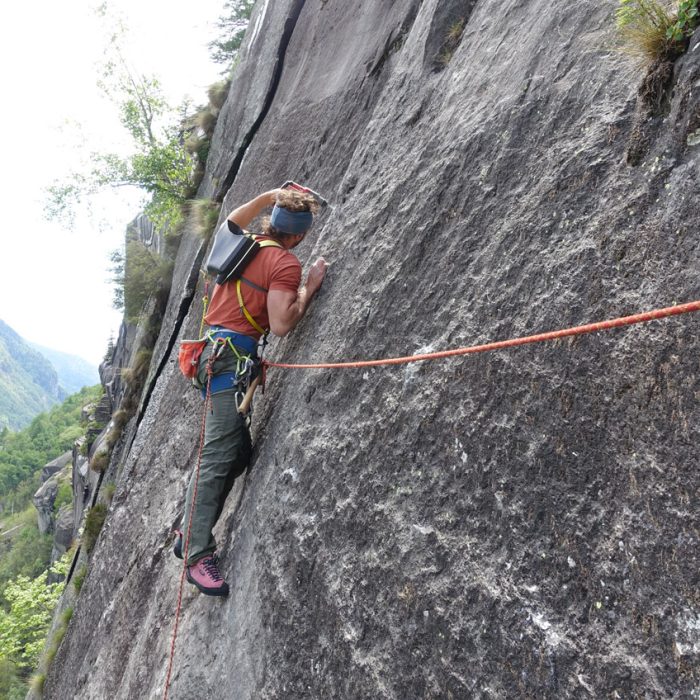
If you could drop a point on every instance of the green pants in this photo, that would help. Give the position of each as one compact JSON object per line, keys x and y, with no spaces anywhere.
{"x":225,"y":455}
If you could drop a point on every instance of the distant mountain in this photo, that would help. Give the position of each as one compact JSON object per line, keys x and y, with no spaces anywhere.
{"x":28,"y":381}
{"x":73,"y":372}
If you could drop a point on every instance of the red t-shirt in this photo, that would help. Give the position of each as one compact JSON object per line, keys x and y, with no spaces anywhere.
{"x":271,"y":268}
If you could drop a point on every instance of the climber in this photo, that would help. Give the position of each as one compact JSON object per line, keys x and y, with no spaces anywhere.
{"x":271,"y":300}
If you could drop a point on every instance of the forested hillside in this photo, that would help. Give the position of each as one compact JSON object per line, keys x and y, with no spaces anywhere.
{"x":24,"y":551}
{"x":28,"y":381}
{"x":73,"y":372}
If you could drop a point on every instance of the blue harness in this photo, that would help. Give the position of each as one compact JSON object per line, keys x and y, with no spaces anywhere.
{"x":226,"y":381}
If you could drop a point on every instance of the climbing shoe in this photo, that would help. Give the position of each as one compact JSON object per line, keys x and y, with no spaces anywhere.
{"x":177,"y":547}
{"x":206,"y":576}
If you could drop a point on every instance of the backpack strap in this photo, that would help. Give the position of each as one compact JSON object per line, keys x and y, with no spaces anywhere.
{"x":239,"y":293}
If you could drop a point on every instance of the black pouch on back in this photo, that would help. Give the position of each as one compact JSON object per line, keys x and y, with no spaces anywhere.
{"x":232,"y":251}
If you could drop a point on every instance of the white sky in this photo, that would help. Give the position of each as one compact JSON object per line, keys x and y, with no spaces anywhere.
{"x":54,"y":287}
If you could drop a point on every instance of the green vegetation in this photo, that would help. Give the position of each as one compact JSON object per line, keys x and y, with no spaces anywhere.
{"x":170,"y":144}
{"x":28,"y":382}
{"x":686,"y":21}
{"x":108,"y":491}
{"x":100,"y":461}
{"x":135,"y":377}
{"x":206,"y":213}
{"x":24,"y":453}
{"x":64,"y":495}
{"x":58,"y":635}
{"x":138,"y":275}
{"x":158,"y":163}
{"x":11,"y":685}
{"x":232,"y":26}
{"x":652,"y":30}
{"x":94,"y":520}
{"x":24,"y":624}
{"x":23,"y":551}
{"x":452,"y":39}
{"x":27,"y":601}
{"x":79,"y":578}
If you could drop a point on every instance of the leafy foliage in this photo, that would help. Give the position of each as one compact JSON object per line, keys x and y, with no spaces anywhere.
{"x":686,"y":21}
{"x":28,"y":382}
{"x":23,"y":627}
{"x":64,"y":495}
{"x":138,"y":274}
{"x":11,"y":685}
{"x":159,"y":164}
{"x":650,"y":30}
{"x":232,"y":26}
{"x":25,"y":551}
{"x":24,"y":453}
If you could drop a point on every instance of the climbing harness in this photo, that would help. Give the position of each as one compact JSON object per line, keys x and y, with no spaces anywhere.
{"x":244,"y":349}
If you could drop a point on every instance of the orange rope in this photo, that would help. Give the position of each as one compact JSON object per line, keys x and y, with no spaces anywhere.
{"x":499,"y":345}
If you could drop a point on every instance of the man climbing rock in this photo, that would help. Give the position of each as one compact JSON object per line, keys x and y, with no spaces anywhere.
{"x":267,"y":298}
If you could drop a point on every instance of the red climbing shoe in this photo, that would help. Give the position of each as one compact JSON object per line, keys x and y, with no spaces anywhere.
{"x":206,"y":576}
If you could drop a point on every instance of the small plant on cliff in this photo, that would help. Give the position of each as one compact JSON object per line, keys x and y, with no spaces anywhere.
{"x":109,"y":490}
{"x":206,"y":214}
{"x":652,"y":30}
{"x":79,"y":578}
{"x":452,"y":39}
{"x":100,"y":461}
{"x":64,"y":495}
{"x":58,"y":635}
{"x":138,"y":275}
{"x":94,"y":520}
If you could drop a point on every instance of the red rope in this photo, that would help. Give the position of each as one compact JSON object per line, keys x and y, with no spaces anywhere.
{"x":551,"y":335}
{"x":186,"y":548}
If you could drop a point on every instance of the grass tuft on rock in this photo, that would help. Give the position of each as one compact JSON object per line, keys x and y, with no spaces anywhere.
{"x":654,"y":30}
{"x":94,"y":520}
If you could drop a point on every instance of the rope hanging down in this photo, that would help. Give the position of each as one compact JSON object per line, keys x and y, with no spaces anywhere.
{"x":499,"y":345}
{"x":186,"y":543}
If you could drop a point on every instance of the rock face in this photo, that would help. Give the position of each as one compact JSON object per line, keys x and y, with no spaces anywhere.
{"x":513,"y":524}
{"x":56,"y":465}
{"x":43,"y":502}
{"x":64,"y":532}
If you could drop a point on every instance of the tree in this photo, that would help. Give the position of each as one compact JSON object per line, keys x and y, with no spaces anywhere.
{"x":23,"y":628}
{"x":232,"y":26}
{"x":159,"y":163}
{"x":137,"y":275}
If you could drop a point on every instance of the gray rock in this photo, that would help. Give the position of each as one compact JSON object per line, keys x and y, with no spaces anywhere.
{"x":43,"y":502}
{"x":56,"y":465}
{"x":64,"y":532}
{"x":409,"y":531}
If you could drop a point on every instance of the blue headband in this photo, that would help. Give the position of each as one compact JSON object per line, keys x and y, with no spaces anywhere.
{"x":292,"y":222}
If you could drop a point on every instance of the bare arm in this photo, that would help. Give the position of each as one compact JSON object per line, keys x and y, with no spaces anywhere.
{"x":243,"y":215}
{"x":285,"y":309}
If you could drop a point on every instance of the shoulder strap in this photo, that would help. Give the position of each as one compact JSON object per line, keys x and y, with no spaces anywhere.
{"x":245,"y":311}
{"x":239,"y":293}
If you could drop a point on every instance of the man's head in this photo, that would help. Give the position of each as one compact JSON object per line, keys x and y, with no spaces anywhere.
{"x":291,"y":218}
